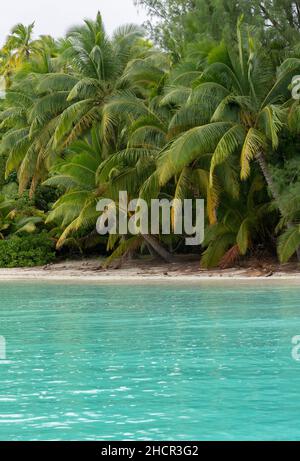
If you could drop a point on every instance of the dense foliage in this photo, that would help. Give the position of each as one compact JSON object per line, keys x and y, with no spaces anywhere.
{"x":205,"y":110}
{"x":33,"y":250}
{"x":174,"y":24}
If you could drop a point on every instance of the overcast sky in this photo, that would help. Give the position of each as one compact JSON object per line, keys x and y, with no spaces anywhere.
{"x":56,"y":16}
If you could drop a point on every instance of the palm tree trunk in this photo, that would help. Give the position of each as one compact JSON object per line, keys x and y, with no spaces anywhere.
{"x":273,"y":189}
{"x":151,"y":251}
{"x":158,"y":248}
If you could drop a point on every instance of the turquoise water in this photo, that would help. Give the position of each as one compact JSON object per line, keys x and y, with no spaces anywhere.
{"x":88,"y":362}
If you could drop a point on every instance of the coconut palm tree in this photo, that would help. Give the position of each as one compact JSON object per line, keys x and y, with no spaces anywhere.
{"x":74,"y":213}
{"x":247,"y":108}
{"x":98,"y":66}
{"x":159,"y":120}
{"x":17,"y":49}
{"x":28,"y":120}
{"x":242,"y":223}
{"x":87,"y":84}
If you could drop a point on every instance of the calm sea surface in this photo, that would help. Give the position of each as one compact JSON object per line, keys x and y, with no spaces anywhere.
{"x":155,"y":362}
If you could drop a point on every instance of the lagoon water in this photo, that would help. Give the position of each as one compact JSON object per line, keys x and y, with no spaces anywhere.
{"x":155,"y":362}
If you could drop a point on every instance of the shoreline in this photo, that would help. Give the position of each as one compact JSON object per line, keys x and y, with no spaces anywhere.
{"x":118,"y":280}
{"x":140,"y":271}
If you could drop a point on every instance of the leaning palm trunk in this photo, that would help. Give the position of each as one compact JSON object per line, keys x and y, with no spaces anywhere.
{"x":158,"y":248}
{"x":273,"y":189}
{"x":151,"y":251}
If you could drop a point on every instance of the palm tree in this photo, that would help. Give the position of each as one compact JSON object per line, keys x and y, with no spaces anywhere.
{"x":100,"y":82}
{"x":247,"y":115}
{"x":242,"y":222}
{"x":29,"y":118}
{"x":78,"y":176}
{"x":160,"y":119}
{"x":71,"y":93}
{"x":74,"y":213}
{"x":17,"y":49}
{"x":98,"y":66}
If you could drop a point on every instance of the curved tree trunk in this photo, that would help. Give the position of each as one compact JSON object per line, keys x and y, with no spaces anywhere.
{"x":273,"y":189}
{"x":151,"y":251}
{"x":158,"y":248}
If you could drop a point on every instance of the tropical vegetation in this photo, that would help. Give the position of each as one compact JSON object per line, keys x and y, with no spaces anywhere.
{"x":189,"y":106}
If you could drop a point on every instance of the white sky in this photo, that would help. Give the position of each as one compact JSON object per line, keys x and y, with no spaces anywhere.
{"x":54,"y":17}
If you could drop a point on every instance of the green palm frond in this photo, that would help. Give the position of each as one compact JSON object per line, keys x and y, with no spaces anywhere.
{"x":177,"y":96}
{"x":217,"y":249}
{"x":188,"y":147}
{"x":243,"y":236}
{"x":288,"y":243}
{"x":56,"y":82}
{"x":230,"y":142}
{"x":186,"y":118}
{"x":254,"y":144}
{"x":70,"y":116}
{"x":272,"y":120}
{"x":123,"y":248}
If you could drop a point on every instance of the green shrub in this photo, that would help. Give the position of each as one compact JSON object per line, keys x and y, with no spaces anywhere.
{"x":27,"y":251}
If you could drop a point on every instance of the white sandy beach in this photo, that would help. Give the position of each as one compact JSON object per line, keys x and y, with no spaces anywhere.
{"x":147,"y":271}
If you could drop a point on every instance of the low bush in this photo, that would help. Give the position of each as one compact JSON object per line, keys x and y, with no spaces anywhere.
{"x":27,"y":251}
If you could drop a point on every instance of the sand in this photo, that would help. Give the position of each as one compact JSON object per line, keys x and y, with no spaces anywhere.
{"x":184,"y":270}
